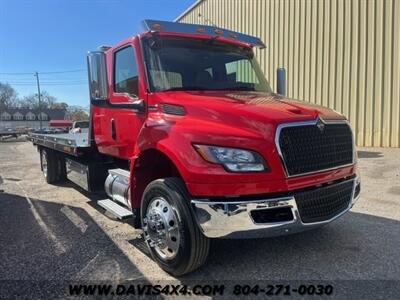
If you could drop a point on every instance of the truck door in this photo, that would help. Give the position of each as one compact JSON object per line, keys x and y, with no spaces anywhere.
{"x":120,"y":124}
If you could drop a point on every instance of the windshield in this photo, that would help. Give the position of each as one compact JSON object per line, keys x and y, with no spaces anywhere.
{"x":192,"y":64}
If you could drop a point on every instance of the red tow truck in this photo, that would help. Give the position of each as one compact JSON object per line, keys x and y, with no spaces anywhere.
{"x":189,"y":140}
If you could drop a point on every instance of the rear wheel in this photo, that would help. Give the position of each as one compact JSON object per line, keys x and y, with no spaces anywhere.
{"x":50,"y":166}
{"x":170,"y":230}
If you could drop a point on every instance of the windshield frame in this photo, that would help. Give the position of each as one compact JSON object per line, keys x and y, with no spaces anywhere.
{"x":146,"y":52}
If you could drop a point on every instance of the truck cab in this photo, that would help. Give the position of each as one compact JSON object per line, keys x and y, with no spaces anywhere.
{"x":79,"y":127}
{"x":198,"y":146}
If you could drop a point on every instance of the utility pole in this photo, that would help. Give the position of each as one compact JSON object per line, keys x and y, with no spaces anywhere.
{"x":40,"y":104}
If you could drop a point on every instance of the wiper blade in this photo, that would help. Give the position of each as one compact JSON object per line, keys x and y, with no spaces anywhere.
{"x":238,"y":88}
{"x":185,"y":88}
{"x":200,"y":88}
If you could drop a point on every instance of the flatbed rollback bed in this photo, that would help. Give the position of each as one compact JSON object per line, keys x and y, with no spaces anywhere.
{"x":74,"y":144}
{"x":72,"y":156}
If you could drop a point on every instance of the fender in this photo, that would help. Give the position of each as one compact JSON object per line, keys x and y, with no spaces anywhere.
{"x":151,"y":138}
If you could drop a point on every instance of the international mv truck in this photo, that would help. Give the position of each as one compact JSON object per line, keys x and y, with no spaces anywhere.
{"x":188,"y":139}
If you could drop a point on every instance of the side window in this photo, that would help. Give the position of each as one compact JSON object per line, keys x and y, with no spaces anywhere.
{"x":125,"y":72}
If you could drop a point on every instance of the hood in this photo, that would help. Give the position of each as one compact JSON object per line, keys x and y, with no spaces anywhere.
{"x":253,"y":111}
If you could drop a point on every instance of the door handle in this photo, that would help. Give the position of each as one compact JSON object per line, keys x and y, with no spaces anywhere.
{"x":113,"y":130}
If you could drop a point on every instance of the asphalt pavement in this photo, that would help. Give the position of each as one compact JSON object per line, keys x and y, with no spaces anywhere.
{"x":54,"y":233}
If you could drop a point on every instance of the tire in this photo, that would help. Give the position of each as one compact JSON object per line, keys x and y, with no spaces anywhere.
{"x":190,"y":248}
{"x":62,"y":169}
{"x":49,"y":165}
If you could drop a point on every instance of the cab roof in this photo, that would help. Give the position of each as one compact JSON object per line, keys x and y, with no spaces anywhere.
{"x":201,"y":30}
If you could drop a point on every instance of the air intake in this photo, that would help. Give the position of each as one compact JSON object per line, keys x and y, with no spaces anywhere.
{"x":173,"y":109}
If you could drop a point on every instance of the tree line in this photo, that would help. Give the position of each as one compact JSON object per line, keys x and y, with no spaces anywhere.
{"x":9,"y":99}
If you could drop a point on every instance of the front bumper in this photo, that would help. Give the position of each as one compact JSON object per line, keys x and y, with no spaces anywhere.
{"x":234,"y":219}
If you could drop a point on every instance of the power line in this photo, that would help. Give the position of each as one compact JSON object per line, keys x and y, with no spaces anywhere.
{"x":59,"y":72}
{"x":32,"y":73}
{"x":16,"y":73}
{"x":46,"y":81}
{"x":47,"y":84}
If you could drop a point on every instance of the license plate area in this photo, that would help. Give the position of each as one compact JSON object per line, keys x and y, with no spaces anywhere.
{"x":272,"y":215}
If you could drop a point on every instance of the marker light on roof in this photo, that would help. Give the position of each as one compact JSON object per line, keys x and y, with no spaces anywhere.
{"x":200,"y":30}
{"x":156,"y":26}
{"x":218,"y":31}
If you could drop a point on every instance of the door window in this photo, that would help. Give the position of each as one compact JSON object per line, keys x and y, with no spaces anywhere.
{"x":125,"y":72}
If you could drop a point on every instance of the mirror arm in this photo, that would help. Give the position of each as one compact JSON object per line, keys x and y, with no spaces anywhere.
{"x":136,"y":105}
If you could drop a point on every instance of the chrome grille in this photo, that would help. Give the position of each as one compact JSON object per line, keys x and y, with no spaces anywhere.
{"x":324,"y":203}
{"x":314,"y":146}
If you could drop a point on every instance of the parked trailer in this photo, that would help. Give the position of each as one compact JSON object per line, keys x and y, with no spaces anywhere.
{"x":9,"y":134}
{"x":188,"y":139}
{"x":5,"y":134}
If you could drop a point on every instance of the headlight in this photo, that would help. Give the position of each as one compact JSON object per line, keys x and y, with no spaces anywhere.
{"x":235,"y":160}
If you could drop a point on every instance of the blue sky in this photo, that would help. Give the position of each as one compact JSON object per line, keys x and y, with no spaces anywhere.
{"x":54,"y":35}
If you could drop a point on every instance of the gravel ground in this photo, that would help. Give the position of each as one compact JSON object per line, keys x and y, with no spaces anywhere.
{"x":58,"y":233}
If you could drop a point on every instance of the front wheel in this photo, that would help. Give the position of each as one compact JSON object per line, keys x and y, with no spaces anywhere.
{"x":170,"y":230}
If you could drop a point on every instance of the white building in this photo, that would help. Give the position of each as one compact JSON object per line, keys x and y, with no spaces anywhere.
{"x":18,"y":118}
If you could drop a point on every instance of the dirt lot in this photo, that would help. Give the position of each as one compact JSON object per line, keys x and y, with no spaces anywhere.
{"x":59,"y":233}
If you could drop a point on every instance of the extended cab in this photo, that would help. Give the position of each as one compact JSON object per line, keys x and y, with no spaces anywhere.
{"x":189,"y":140}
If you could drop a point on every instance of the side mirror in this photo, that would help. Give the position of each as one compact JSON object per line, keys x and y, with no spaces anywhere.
{"x":97,"y":72}
{"x":281,"y":81}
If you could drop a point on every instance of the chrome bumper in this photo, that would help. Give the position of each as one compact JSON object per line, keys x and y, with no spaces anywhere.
{"x":232,"y":219}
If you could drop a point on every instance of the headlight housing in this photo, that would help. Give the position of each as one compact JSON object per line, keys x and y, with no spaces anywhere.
{"x":233,"y":159}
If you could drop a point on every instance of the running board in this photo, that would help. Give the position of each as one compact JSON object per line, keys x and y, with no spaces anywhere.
{"x":115,"y":209}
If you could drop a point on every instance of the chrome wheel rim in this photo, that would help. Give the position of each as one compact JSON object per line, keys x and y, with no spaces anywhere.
{"x":44,"y":163}
{"x":161,"y":228}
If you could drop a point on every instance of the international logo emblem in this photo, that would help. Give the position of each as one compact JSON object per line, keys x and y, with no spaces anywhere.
{"x":320,"y":125}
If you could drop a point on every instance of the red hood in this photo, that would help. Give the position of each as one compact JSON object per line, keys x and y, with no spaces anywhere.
{"x":245,"y":120}
{"x":245,"y":110}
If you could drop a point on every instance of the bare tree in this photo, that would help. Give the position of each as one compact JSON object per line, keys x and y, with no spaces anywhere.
{"x":59,"y":105}
{"x":77,"y":113}
{"x":8,"y":96}
{"x":32,"y":101}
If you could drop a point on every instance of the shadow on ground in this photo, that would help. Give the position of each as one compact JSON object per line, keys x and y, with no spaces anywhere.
{"x":358,"y":246}
{"x":93,"y":196}
{"x":355,"y":247}
{"x":369,"y":154}
{"x":39,"y":242}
